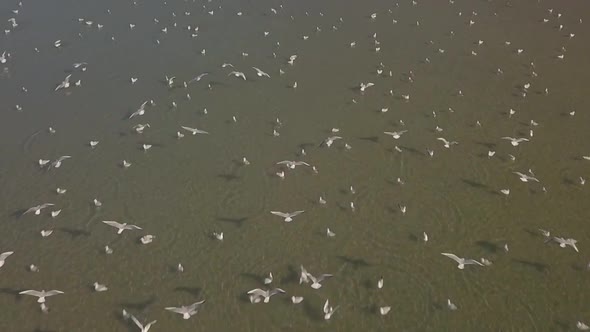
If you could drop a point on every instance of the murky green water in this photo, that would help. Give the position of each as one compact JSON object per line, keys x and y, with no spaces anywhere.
{"x":183,"y":190}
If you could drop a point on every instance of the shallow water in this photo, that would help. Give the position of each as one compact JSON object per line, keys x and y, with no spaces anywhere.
{"x":183,"y":190}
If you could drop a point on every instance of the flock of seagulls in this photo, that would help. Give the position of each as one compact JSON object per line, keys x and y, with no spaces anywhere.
{"x":339,"y":141}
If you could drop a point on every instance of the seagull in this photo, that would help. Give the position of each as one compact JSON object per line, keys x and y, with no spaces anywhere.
{"x":292,"y":164}
{"x":384,"y":310}
{"x":145,"y":328}
{"x":525,"y":177}
{"x":380,"y":283}
{"x":565,"y":242}
{"x":461,"y":261}
{"x":395,"y":134}
{"x":194,"y":131}
{"x":451,"y":305}
{"x":515,"y":141}
{"x":268,"y":279}
{"x":330,"y":140}
{"x":447,"y":144}
{"x":260,"y":72}
{"x":64,"y":84}
{"x":170,"y":81}
{"x":99,"y":287}
{"x":3,"y":257}
{"x":146,"y":239}
{"x":296,"y":299}
{"x":238,"y":74}
{"x":329,"y":233}
{"x":41,"y":294}
{"x":58,"y":161}
{"x":37,"y":209}
{"x":140,"y":110}
{"x":288,"y":216}
{"x":328,"y":311}
{"x":257,"y":293}
{"x":186,"y":311}
{"x":582,"y":326}
{"x":198,"y":78}
{"x":139,"y":128}
{"x":316,"y":282}
{"x":365,"y":86}
{"x":121,"y":227}
{"x":218,"y":236}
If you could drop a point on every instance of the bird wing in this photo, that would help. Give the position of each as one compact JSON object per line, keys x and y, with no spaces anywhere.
{"x":113,"y":223}
{"x":280,"y":214}
{"x":443,"y":140}
{"x":324,"y":276}
{"x":133,"y":227}
{"x":31,"y":209}
{"x":257,"y":292}
{"x":178,"y":310}
{"x":276,"y":291}
{"x":32,"y":292}
{"x":452,"y":256}
{"x":296,"y":213}
{"x":189,"y":129}
{"x":137,"y":322}
{"x":53,"y":292}
{"x":327,"y":307}
{"x":4,"y":255}
{"x":44,"y":205}
{"x":389,"y":133}
{"x":472,"y":261}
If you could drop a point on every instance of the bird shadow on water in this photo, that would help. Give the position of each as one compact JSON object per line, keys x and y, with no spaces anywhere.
{"x":13,"y":292}
{"x":193,"y":291}
{"x":74,"y":233}
{"x":124,"y":321}
{"x":139,"y":306}
{"x":238,"y":222}
{"x":374,"y":139}
{"x":488,"y":246}
{"x":540,"y":267}
{"x":252,"y":276}
{"x":229,"y":177}
{"x":42,"y":330}
{"x":355,"y":262}
{"x":312,"y":312}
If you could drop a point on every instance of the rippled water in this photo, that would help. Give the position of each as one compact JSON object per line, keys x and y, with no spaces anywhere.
{"x":183,"y":190}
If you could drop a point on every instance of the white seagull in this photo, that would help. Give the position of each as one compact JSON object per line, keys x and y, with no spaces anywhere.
{"x":194,"y":131}
{"x":37,"y":209}
{"x":446,"y":143}
{"x":328,"y":310}
{"x":65,"y":83}
{"x":186,"y":311}
{"x":260,"y":72}
{"x":292,"y":164}
{"x":237,"y":74}
{"x":41,"y":294}
{"x":395,"y":134}
{"x":3,"y":257}
{"x":515,"y":141}
{"x":288,"y":216}
{"x":257,"y":293}
{"x":120,"y":227}
{"x":461,"y":261}
{"x":330,"y":140}
{"x":365,"y":86}
{"x":143,"y":328}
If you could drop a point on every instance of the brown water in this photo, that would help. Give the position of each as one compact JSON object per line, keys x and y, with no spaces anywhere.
{"x":183,"y":190}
